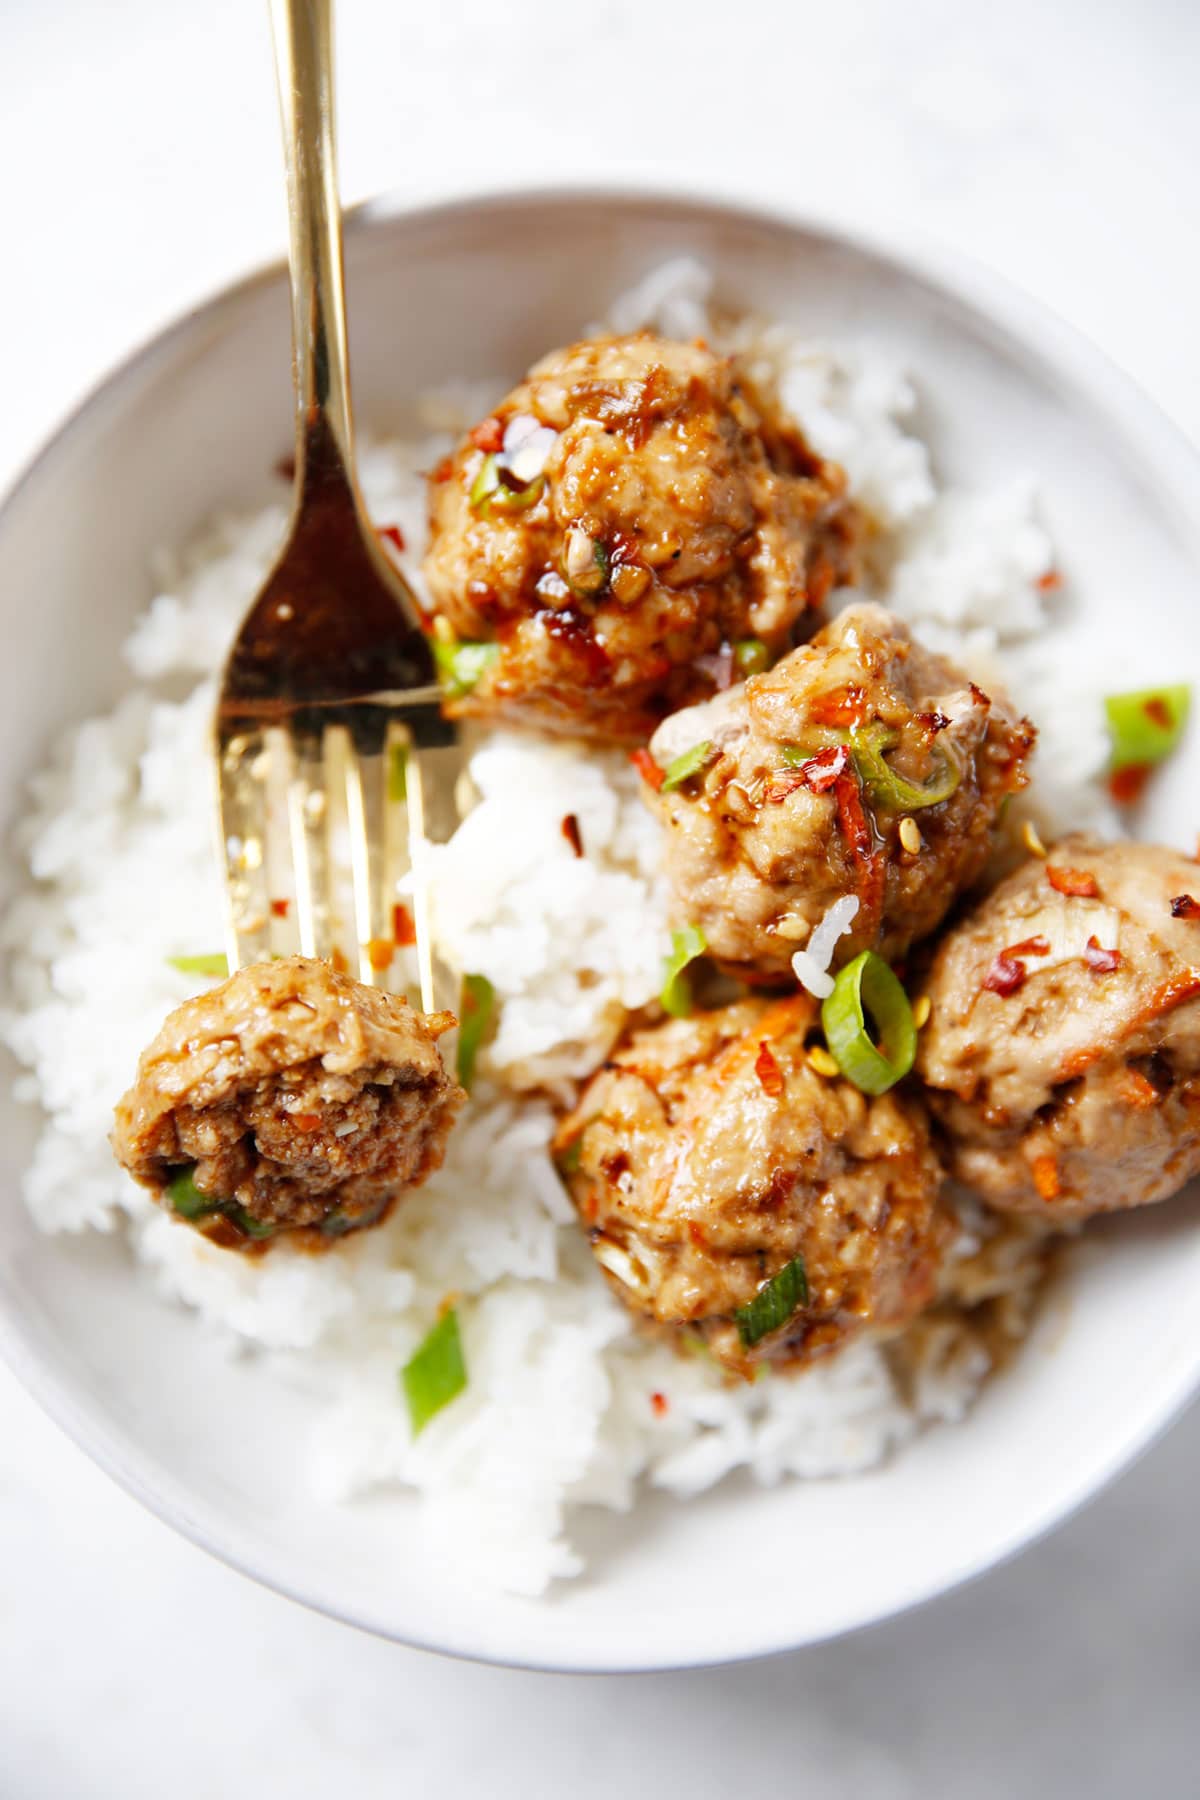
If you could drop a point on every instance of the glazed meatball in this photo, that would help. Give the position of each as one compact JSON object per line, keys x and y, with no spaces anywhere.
{"x":708,"y":1156}
{"x":627,"y":516}
{"x":861,"y":767}
{"x":290,"y":1101}
{"x":1062,"y":1054}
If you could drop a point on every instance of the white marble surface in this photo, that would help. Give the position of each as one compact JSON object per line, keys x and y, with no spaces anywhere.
{"x":1056,"y":139}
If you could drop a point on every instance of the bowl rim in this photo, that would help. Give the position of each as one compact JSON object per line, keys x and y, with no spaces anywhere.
{"x":1043,"y":335}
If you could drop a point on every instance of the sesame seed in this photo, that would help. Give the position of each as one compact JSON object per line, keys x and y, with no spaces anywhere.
{"x":922,"y":1010}
{"x":821,"y":1062}
{"x":910,"y":836}
{"x":443,"y":630}
{"x":1031,"y":839}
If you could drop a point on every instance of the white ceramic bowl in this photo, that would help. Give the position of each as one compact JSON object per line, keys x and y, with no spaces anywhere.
{"x":194,"y":422}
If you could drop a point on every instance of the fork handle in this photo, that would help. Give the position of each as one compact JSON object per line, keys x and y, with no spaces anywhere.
{"x":302,"y":31}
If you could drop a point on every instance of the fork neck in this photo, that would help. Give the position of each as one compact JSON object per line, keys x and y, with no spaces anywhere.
{"x":303,"y":37}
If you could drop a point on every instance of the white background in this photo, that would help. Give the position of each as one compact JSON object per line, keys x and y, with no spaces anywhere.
{"x":1056,"y":139}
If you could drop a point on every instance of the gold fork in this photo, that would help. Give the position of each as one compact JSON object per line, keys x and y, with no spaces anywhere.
{"x":335,"y":764}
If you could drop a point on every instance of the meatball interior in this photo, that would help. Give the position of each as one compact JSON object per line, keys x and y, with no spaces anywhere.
{"x":302,"y":1103}
{"x":626,"y":516}
{"x":708,"y":1154}
{"x":819,"y":781}
{"x":1062,"y":1053}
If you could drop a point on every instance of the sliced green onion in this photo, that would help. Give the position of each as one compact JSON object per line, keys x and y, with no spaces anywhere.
{"x":338,"y":1223}
{"x":200,"y":965}
{"x":436,"y":1373}
{"x":774,"y":1303}
{"x":491,"y":493}
{"x":569,"y":1158}
{"x":478,"y":1010}
{"x":398,"y":774}
{"x":688,"y":763}
{"x":687,"y":944}
{"x":751,"y":656}
{"x":485,"y":483}
{"x":867,"y":985}
{"x":1146,"y":725}
{"x":891,"y":790}
{"x":246,"y":1222}
{"x":462,"y":665}
{"x":186,"y":1198}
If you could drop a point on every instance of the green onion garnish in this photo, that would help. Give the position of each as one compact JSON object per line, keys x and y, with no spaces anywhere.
{"x":751,"y":656}
{"x":462,"y":665}
{"x":774,"y":1303}
{"x":1146,"y":725}
{"x":246,"y":1222}
{"x":200,"y":965}
{"x":688,"y":763}
{"x":891,"y":790}
{"x":570,"y":1157}
{"x":687,"y":944}
{"x":867,"y":985}
{"x":186,"y":1198}
{"x":491,"y":492}
{"x":478,"y":1009}
{"x":398,"y":774}
{"x":436,"y":1373}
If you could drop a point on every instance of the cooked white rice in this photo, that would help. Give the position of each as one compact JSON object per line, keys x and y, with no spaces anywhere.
{"x":558,"y":1411}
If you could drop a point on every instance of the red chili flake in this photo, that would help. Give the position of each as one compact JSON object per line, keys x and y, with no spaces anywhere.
{"x":647,"y":768}
{"x":1098,"y":960}
{"x":570,"y":830}
{"x":1128,"y":784}
{"x":404,"y":931}
{"x":285,"y":468}
{"x":1048,"y":582}
{"x":769,"y":1073}
{"x":1138,"y":1091}
{"x":1034,"y":946}
{"x":1005,"y":976}
{"x":393,"y":535}
{"x":338,"y":959}
{"x":659,"y":1405}
{"x":933,"y":722}
{"x":852,"y":820}
{"x":488,"y":436}
{"x":841,"y":706}
{"x":380,"y":954}
{"x":306,"y":1121}
{"x":1045,"y":1177}
{"x":821,"y":772}
{"x":591,"y":1208}
{"x":1158,"y":712}
{"x":443,"y":470}
{"x":1078,"y":883}
{"x":1184,"y":907}
{"x":280,"y":908}
{"x":696,"y":1234}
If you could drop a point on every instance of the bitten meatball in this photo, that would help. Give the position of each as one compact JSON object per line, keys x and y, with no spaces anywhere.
{"x":290,"y":1101}
{"x":860,"y":767}
{"x":708,"y":1158}
{"x":1062,"y":1053}
{"x":630,"y":519}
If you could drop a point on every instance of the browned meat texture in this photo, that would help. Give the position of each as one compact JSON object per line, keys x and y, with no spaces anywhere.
{"x":785,"y":818}
{"x":708,"y":1154}
{"x":305,"y":1101}
{"x":1062,"y":1055}
{"x":671,"y":512}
